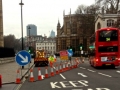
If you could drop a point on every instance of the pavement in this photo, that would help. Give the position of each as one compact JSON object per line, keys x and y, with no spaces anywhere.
{"x":8,"y":71}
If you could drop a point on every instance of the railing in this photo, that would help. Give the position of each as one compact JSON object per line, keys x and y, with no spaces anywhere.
{"x":7,"y":60}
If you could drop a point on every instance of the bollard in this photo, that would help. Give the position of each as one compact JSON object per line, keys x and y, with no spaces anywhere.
{"x":0,"y":81}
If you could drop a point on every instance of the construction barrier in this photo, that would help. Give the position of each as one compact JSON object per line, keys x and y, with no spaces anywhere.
{"x":0,"y":81}
{"x":54,"y":70}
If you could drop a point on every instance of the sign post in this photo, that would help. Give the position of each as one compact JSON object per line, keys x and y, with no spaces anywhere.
{"x":23,"y":58}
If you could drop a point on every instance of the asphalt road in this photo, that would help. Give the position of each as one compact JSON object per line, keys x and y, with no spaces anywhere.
{"x":84,"y":77}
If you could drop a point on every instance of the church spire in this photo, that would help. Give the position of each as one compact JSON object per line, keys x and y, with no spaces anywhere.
{"x":58,"y":23}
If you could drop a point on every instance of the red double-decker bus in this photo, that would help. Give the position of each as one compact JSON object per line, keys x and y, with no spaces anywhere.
{"x":105,"y":47}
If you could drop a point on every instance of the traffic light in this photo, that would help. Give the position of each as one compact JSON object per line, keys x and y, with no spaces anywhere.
{"x":29,"y":50}
{"x":81,"y":46}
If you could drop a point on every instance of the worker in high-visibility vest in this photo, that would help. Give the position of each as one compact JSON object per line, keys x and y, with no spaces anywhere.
{"x":51,"y":60}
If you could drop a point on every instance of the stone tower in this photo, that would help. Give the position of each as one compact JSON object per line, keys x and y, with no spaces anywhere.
{"x":58,"y":28}
{"x":1,"y":26}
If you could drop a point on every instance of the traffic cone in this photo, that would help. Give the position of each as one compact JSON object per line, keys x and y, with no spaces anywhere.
{"x":64,"y":69}
{"x":46,"y":73}
{"x":70,"y":65}
{"x":75,"y":62}
{"x":57,"y":71}
{"x":52,"y":72}
{"x":83,"y":60}
{"x":67,"y":66}
{"x":60,"y":69}
{"x":18,"y":81}
{"x":31,"y":76}
{"x":39,"y":74}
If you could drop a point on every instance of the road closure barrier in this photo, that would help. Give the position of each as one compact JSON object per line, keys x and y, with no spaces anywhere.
{"x":53,"y":70}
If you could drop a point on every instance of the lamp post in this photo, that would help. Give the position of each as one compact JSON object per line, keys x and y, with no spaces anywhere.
{"x":21,"y":25}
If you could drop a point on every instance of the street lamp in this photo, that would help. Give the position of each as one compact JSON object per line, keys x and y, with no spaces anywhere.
{"x":22,"y":25}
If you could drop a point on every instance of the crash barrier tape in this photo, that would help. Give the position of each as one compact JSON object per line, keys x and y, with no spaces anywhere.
{"x":7,"y":60}
{"x":55,"y":70}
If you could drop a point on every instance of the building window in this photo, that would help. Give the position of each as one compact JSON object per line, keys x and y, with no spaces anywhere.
{"x":67,"y":24}
{"x":63,"y":44}
{"x":110,"y":23}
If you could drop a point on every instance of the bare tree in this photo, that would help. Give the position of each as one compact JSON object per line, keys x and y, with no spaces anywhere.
{"x":110,"y":6}
{"x":9,"y":41}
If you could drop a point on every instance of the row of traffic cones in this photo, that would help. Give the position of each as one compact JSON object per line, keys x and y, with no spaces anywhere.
{"x":62,"y":68}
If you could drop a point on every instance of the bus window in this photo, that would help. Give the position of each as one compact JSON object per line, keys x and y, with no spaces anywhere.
{"x":108,"y":49}
{"x":108,"y":35}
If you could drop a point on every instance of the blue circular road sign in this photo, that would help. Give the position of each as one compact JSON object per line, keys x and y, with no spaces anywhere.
{"x":23,"y":58}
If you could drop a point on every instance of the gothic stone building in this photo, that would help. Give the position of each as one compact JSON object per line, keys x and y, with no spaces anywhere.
{"x":75,"y":31}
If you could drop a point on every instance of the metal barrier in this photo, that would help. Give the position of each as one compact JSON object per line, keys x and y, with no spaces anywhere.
{"x":7,"y":60}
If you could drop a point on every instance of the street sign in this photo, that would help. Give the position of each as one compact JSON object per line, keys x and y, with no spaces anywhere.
{"x":64,"y":55}
{"x":70,"y":53}
{"x":23,"y":58}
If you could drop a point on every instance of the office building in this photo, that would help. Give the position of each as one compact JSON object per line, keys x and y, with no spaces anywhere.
{"x":31,"y":30}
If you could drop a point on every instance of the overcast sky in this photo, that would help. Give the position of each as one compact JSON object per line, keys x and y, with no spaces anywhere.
{"x":42,"y":13}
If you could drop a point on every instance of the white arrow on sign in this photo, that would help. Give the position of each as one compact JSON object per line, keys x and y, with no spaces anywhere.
{"x":25,"y":60}
{"x":82,"y":74}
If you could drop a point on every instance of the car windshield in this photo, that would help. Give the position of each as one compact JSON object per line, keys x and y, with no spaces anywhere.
{"x":108,"y":35}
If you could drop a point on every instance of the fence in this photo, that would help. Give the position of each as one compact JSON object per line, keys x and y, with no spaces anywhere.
{"x":7,"y":60}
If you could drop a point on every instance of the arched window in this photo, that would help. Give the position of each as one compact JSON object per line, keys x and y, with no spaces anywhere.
{"x":98,"y":25}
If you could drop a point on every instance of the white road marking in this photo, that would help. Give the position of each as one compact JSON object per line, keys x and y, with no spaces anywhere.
{"x":62,"y":76}
{"x":104,"y":74}
{"x":91,"y":70}
{"x":118,"y":71}
{"x":82,"y":74}
{"x":82,"y":68}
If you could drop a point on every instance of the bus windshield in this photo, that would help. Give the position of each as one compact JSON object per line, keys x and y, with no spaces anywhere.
{"x":108,"y":35}
{"x":108,"y":49}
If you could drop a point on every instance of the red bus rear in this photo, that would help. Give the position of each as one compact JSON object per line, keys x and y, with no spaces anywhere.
{"x":106,"y":49}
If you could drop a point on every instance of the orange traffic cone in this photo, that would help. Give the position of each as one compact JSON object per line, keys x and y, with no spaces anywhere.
{"x":75,"y":63}
{"x":64,"y":69}
{"x":57,"y":72}
{"x":18,"y":81}
{"x":52,"y":72}
{"x":60,"y":69}
{"x":46,"y":73}
{"x":31,"y":76}
{"x":39,"y":74}
{"x":70,"y":65}
{"x":67,"y":66}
